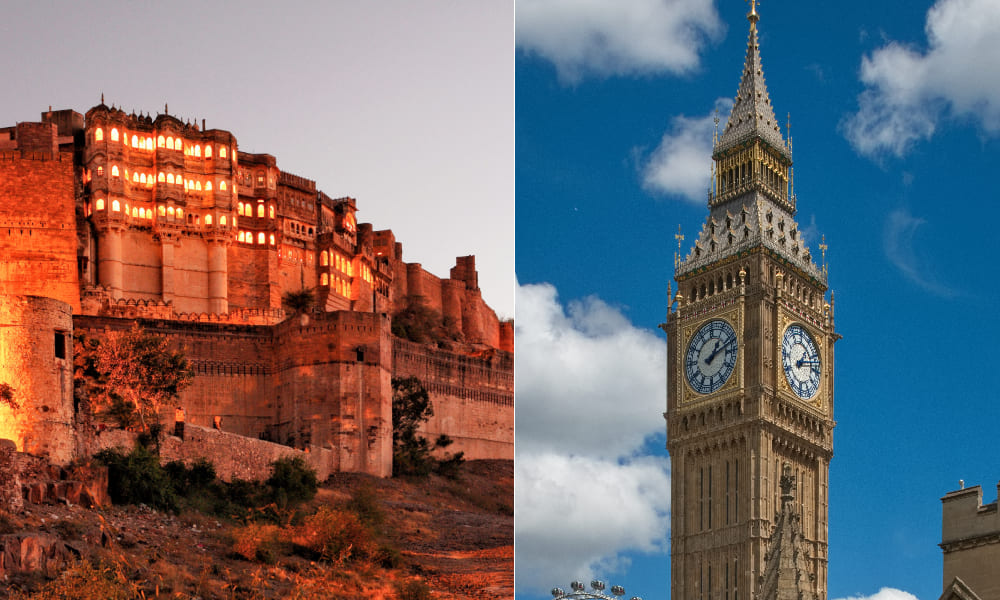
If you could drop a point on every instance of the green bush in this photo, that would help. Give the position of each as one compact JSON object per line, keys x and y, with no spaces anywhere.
{"x":364,"y":503}
{"x":335,"y":535}
{"x":292,"y":482}
{"x":414,"y":589}
{"x":138,"y":478}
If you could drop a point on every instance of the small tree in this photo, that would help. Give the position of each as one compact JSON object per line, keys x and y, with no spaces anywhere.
{"x":7,"y":396}
{"x":420,"y":323}
{"x":299,"y":301}
{"x":411,"y":453}
{"x":131,"y":368}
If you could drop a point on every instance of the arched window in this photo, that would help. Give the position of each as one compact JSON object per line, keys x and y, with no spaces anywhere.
{"x":208,"y":151}
{"x":114,"y":170}
{"x":180,"y":213}
{"x":170,"y":177}
{"x":240,"y":237}
{"x":222,"y":152}
{"x":260,"y":210}
{"x":161,"y":142}
{"x":135,"y":177}
{"x":161,"y":210}
{"x":270,"y":211}
{"x":197,"y":185}
{"x":100,"y":204}
{"x":142,"y":213}
{"x":197,"y":149}
{"x":208,"y":186}
{"x":239,"y":208}
{"x":142,"y":178}
{"x":149,"y":143}
{"x":161,"y":177}
{"x":208,"y":219}
{"x":260,"y":238}
{"x":324,"y":258}
{"x":116,"y":206}
{"x":324,"y":279}
{"x":222,"y":220}
{"x":114,"y":134}
{"x":222,"y":185}
{"x":98,"y":134}
{"x":100,"y":171}
{"x":170,"y":142}
{"x":170,"y":211}
{"x":135,"y":140}
{"x":272,"y":239}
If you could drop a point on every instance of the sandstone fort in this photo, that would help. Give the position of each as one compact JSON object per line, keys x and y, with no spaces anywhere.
{"x":109,"y":219}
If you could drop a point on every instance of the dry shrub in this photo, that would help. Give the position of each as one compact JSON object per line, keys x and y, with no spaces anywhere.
{"x":83,"y":580}
{"x":257,"y":541}
{"x":336,"y":535}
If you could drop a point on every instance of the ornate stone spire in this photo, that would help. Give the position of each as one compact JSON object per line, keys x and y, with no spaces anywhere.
{"x":752,"y":114}
{"x":786,"y":564}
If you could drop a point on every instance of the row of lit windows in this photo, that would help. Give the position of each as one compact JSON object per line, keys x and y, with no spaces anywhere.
{"x":246,"y":210}
{"x":146,"y":143}
{"x":247,"y":238}
{"x":337,"y":284}
{"x":143,"y":178}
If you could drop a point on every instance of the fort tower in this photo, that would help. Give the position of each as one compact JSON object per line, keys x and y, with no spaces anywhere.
{"x":750,"y":340}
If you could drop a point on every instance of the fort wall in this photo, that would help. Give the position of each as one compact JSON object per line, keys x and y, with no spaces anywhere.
{"x":38,"y":226}
{"x":36,"y":360}
{"x":970,"y":539}
{"x":472,"y":396}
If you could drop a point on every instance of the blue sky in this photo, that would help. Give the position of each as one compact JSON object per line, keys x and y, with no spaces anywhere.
{"x":895,"y":114}
{"x":387,"y":102}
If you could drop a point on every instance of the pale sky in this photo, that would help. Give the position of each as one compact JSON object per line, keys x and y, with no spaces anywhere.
{"x":406,"y":106}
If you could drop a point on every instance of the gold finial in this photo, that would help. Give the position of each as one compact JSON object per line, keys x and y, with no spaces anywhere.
{"x":752,"y":16}
{"x":822,"y":249}
{"x":680,"y":238}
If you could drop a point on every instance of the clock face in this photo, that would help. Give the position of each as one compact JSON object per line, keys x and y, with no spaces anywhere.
{"x":800,"y":358}
{"x":711,"y":356}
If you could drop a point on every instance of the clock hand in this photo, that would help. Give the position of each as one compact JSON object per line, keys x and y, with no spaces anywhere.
{"x":803,"y":361}
{"x":718,"y":347}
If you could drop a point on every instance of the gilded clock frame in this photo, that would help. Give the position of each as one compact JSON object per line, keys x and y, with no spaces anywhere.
{"x":732,"y":316}
{"x":785,"y":321}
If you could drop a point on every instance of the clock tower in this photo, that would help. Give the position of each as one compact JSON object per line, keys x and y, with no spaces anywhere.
{"x":750,"y":339}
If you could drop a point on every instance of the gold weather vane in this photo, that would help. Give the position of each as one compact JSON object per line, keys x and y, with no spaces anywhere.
{"x":680,"y":238}
{"x":822,"y":249}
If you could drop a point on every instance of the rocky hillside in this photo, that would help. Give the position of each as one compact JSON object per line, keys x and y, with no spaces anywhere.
{"x":440,"y":538}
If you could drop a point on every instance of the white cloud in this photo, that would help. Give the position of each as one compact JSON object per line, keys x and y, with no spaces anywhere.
{"x":901,"y":250}
{"x":885,"y":593}
{"x":680,"y":165}
{"x":588,"y":382}
{"x":909,"y":91}
{"x":590,"y":390}
{"x":616,"y":37}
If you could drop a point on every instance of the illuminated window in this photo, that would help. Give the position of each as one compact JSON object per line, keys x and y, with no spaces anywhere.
{"x":197,"y":185}
{"x":114,"y":170}
{"x":222,"y":220}
{"x":208,"y":152}
{"x":142,"y":178}
{"x":197,"y":149}
{"x":222,"y":185}
{"x":114,"y":134}
{"x":161,"y":142}
{"x":141,"y":213}
{"x":272,"y":239}
{"x":208,"y":219}
{"x":260,"y":210}
{"x":98,"y":134}
{"x":161,"y":177}
{"x":100,"y":171}
{"x":222,"y":152}
{"x":185,"y":184}
{"x":180,"y":213}
{"x":349,"y":222}
{"x":170,"y":211}
{"x":208,"y":186}
{"x":324,"y":279}
{"x":170,"y":142}
{"x":170,"y":177}
{"x":260,"y":238}
{"x":239,"y":209}
{"x":270,"y":211}
{"x":149,"y":143}
{"x":240,"y":237}
{"x":161,"y":210}
{"x":100,"y":204}
{"x":135,"y":140}
{"x":149,"y":214}
{"x":324,"y":259}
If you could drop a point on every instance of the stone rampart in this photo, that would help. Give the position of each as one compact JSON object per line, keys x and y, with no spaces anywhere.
{"x":36,"y":360}
{"x":38,"y":226}
{"x":472,"y":396}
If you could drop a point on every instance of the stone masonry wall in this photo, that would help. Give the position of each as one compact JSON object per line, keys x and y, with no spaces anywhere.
{"x":472,"y":396}
{"x":38,"y":226}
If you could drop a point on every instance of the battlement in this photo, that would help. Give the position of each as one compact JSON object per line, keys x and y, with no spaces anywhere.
{"x":965,"y":517}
